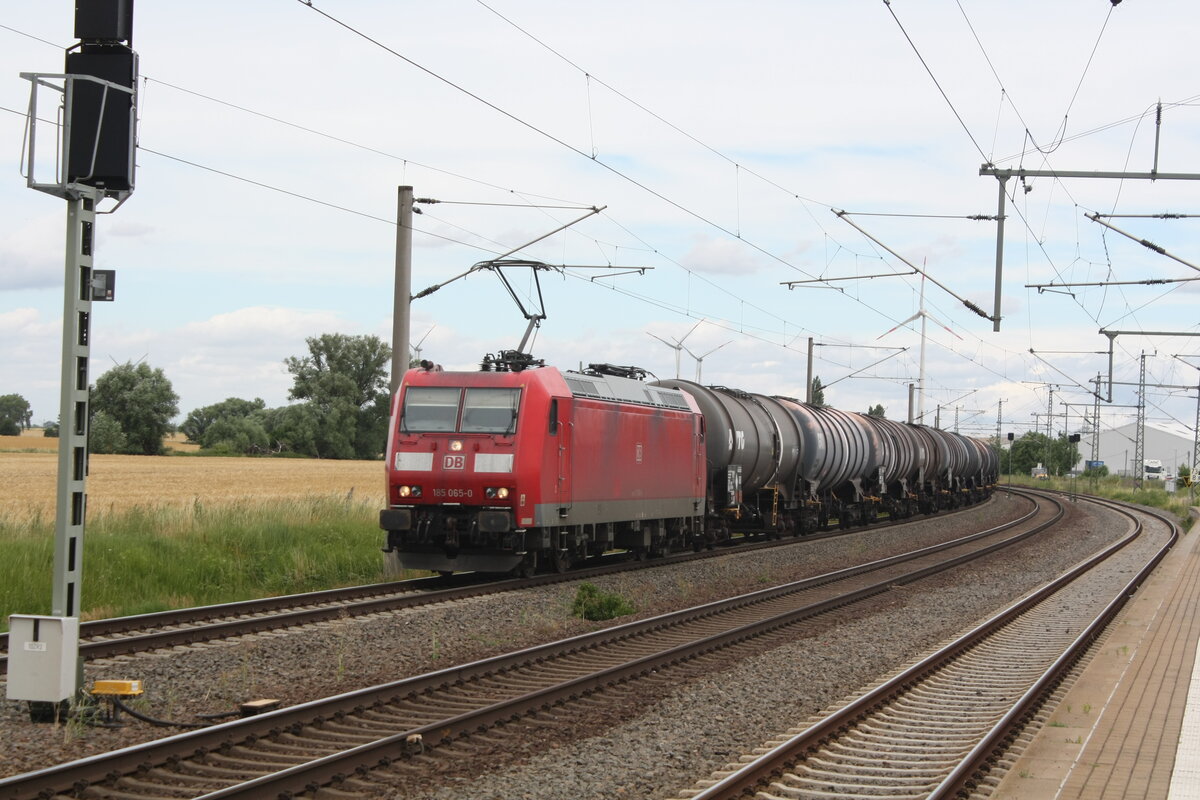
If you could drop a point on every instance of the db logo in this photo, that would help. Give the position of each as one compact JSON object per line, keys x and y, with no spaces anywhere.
{"x":454,"y":462}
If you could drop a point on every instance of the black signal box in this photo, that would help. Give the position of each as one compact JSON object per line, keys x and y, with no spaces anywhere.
{"x":102,"y":118}
{"x":104,"y":20}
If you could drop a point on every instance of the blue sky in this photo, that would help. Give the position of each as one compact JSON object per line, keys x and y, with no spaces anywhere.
{"x":719,"y":143}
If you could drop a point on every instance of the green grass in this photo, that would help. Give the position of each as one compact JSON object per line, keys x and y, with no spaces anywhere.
{"x":153,"y":559}
{"x":1117,"y":488}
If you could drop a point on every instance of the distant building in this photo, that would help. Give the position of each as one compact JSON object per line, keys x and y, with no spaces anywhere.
{"x":1170,"y":445}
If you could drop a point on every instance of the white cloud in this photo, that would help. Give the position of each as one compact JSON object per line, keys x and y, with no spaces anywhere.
{"x":31,"y":253}
{"x":721,"y":257}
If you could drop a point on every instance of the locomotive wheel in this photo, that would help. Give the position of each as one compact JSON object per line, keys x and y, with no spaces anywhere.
{"x":527,"y":567}
{"x":561,"y":561}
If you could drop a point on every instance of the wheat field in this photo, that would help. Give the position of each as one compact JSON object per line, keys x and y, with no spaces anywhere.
{"x":119,"y":483}
{"x":33,"y":439}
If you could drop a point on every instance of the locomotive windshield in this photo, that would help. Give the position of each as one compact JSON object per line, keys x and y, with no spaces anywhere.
{"x":430,"y":409}
{"x":434,"y":409}
{"x":490,"y":411}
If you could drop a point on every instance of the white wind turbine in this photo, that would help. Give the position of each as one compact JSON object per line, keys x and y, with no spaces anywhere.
{"x":678,"y":346}
{"x":700,"y":359}
{"x":924,"y":315}
{"x":417,"y":347}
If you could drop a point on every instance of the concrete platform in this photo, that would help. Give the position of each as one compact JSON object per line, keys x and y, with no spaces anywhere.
{"x":1127,"y":728}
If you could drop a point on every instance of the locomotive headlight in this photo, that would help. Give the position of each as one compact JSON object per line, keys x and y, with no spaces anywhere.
{"x":496,"y":493}
{"x":408,"y":491}
{"x":455,"y":446}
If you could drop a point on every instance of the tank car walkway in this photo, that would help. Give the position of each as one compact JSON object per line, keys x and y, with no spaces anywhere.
{"x":1127,"y":728}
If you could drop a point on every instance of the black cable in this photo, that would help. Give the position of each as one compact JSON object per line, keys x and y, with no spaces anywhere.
{"x":261,"y":185}
{"x":933,"y":77}
{"x":160,"y":723}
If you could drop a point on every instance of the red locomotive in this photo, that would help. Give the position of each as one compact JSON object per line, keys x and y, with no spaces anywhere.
{"x":507,"y":470}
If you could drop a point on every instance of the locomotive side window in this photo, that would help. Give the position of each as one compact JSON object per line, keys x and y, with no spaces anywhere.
{"x":429,"y":409}
{"x":553,"y":416}
{"x":490,"y":411}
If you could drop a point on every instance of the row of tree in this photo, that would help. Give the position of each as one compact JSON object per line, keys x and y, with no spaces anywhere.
{"x":341,"y":385}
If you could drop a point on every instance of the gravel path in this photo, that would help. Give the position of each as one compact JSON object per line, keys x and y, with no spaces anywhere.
{"x":658,"y":742}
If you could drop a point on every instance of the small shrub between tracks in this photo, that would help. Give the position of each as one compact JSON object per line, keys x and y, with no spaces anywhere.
{"x":593,"y":604}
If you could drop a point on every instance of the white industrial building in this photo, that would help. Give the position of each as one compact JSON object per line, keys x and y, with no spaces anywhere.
{"x":1168,"y":444}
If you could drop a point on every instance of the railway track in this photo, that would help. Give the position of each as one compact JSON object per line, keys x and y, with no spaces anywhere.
{"x":356,"y":739}
{"x":936,"y":729}
{"x":106,"y":638}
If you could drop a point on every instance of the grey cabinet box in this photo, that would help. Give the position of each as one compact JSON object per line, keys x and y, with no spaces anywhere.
{"x":42,"y":656}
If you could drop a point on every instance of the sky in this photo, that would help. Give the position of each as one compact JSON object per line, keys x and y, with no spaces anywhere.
{"x":721,"y":146}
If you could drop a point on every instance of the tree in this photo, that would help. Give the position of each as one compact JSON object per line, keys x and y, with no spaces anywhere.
{"x":200,"y":419}
{"x":1058,"y":456}
{"x":818,"y":392}
{"x":877,"y":410}
{"x":292,"y":429}
{"x":344,"y":381}
{"x":105,"y":434}
{"x":14,"y":414}
{"x":50,"y":429}
{"x":140,"y":399}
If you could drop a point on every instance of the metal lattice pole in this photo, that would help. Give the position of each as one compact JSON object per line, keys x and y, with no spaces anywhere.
{"x":1139,"y":445}
{"x":1049,"y":427}
{"x":1195,"y":450}
{"x":73,"y":405}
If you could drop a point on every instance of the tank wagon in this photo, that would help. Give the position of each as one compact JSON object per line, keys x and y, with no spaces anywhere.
{"x":512,"y":469}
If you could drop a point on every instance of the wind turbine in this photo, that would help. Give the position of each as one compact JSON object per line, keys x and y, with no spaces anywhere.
{"x":700,"y":359}
{"x":924,"y":315}
{"x":678,"y":346}
{"x":417,"y":347}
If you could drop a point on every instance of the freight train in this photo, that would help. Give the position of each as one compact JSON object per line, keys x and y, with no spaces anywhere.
{"x":520,"y":467}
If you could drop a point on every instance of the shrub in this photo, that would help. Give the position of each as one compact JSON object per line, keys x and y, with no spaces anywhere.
{"x":593,"y":604}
